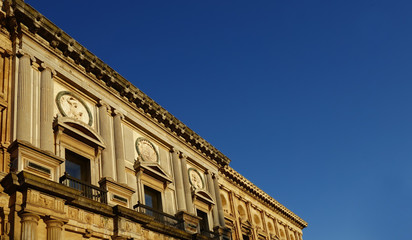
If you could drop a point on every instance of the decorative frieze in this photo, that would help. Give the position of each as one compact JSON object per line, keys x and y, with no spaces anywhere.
{"x":85,"y":219}
{"x":39,"y":201}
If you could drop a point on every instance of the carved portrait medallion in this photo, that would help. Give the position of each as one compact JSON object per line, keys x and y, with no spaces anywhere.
{"x":146,"y":150}
{"x":74,"y":107}
{"x":195,"y":179}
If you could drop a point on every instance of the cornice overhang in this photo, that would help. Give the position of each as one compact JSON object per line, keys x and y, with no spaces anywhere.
{"x":239,"y":180}
{"x":19,"y":13}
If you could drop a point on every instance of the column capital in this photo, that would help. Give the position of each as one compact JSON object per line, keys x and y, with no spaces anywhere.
{"x":102,"y":103}
{"x":53,"y":223}
{"x":215,"y":176}
{"x":29,"y":217}
{"x":45,"y":66}
{"x":21,"y":53}
{"x":173,"y":150}
{"x":118,"y":113}
{"x":182,"y":155}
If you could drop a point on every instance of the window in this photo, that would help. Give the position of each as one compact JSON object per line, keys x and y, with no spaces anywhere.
{"x":152,"y":199}
{"x":245,"y":237}
{"x":204,"y":223}
{"x":77,"y":166}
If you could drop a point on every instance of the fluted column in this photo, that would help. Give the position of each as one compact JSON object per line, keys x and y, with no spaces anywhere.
{"x":180,"y":194}
{"x":119,"y":147}
{"x":54,"y":229}
{"x":46,"y":108}
{"x":24,"y":100}
{"x":29,"y":223}
{"x":107,"y":154}
{"x":213,"y":193}
{"x":221,"y":214}
{"x":186,"y":185}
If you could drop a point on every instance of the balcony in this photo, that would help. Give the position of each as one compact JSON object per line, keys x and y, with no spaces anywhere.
{"x":158,"y":215}
{"x":87,"y":190}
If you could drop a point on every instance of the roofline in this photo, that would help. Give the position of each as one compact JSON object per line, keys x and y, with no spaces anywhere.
{"x":17,"y":11}
{"x":20,"y":12}
{"x":237,"y":179}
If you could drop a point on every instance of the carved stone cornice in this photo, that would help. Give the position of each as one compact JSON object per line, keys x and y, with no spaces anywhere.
{"x":61,"y":42}
{"x":237,"y":179}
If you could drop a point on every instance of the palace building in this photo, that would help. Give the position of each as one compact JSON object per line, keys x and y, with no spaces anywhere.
{"x":84,"y":154}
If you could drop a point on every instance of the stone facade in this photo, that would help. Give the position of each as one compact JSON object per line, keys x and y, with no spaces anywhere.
{"x":84,"y":154}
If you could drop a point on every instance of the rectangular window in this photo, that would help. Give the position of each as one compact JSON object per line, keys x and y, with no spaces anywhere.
{"x":204,"y":223}
{"x":77,"y":166}
{"x":152,"y":199}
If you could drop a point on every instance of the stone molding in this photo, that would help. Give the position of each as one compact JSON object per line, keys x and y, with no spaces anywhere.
{"x":237,"y":179}
{"x":18,"y":12}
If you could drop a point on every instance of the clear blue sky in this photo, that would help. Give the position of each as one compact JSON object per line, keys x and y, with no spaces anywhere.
{"x":311,"y":100}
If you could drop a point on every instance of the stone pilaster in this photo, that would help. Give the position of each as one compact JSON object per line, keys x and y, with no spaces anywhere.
{"x":213,"y":193}
{"x":287,"y":232}
{"x":29,"y":223}
{"x":107,"y":154}
{"x":220,"y":211}
{"x":296,"y":235}
{"x":119,"y":147}
{"x":24,"y":101}
{"x":54,"y":229}
{"x":186,"y":185}
{"x":46,"y":108}
{"x":275,"y":222}
{"x":180,"y":194}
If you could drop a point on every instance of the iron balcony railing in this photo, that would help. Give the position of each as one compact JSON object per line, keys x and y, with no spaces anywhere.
{"x":90,"y":191}
{"x":158,"y":215}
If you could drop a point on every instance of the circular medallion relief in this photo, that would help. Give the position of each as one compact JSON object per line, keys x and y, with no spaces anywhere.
{"x":72,"y":106}
{"x":195,"y":179}
{"x":146,"y":150}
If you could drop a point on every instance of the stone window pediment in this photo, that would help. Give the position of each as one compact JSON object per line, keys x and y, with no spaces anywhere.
{"x":203,"y":196}
{"x":79,"y":130}
{"x":153,"y":169}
